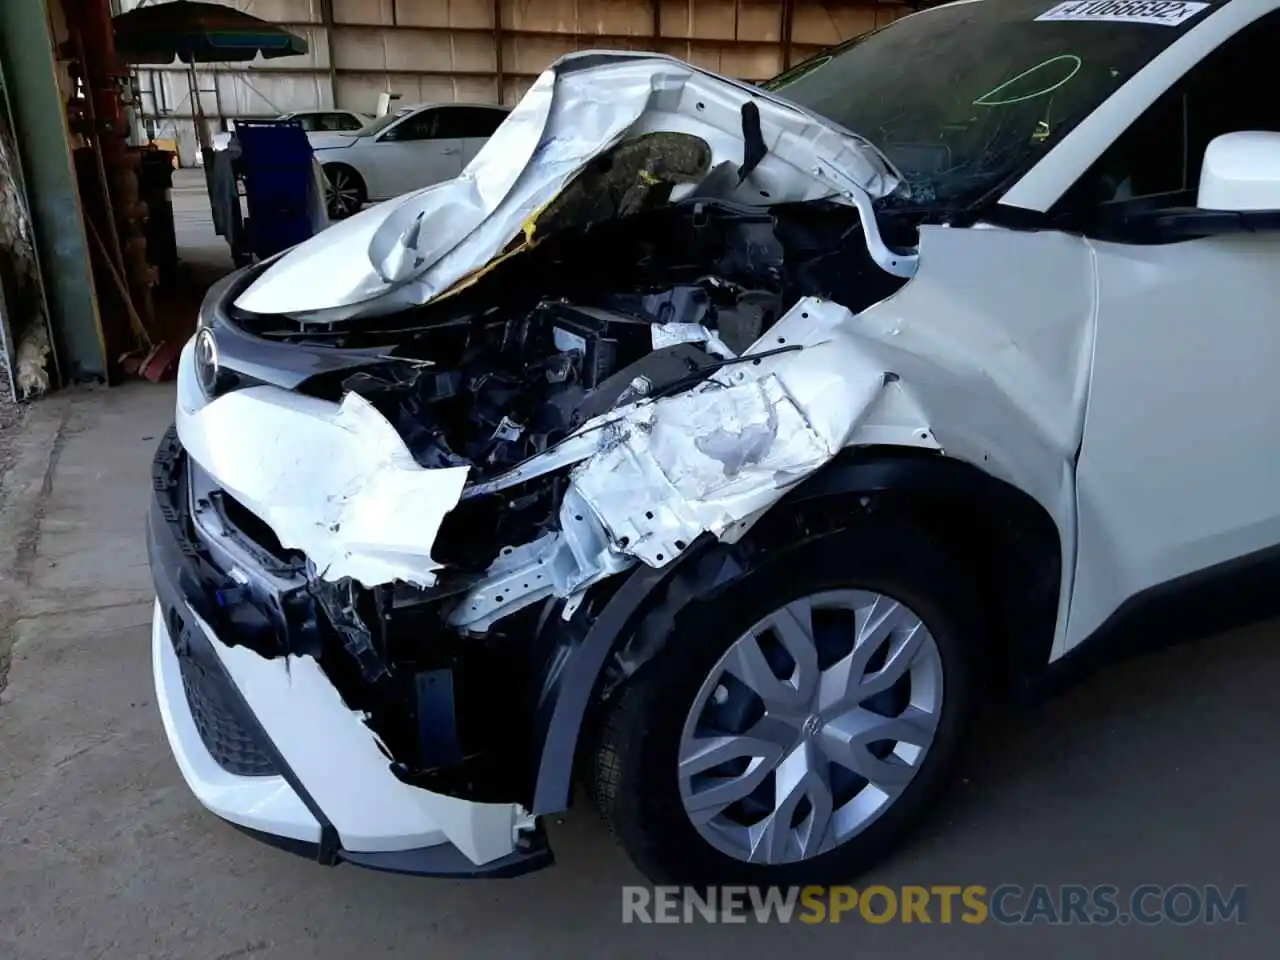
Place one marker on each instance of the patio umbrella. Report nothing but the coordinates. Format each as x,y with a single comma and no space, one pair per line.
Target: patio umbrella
196,32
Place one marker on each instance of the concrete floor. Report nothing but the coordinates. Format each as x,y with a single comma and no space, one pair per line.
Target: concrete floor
1161,771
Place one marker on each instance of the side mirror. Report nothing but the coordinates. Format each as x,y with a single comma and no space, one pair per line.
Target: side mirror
1239,193
1241,173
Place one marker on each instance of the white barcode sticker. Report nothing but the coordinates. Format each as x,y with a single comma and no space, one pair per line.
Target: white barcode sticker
1165,13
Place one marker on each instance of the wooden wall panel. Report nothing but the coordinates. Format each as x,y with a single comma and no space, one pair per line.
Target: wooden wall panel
628,17
444,13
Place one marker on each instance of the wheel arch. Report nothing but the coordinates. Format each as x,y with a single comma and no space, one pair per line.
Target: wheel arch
1006,538
362,181
338,161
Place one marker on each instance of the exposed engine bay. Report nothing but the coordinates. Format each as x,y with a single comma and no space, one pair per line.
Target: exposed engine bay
501,382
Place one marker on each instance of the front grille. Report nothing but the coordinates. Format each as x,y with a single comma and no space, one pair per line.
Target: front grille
249,525
234,748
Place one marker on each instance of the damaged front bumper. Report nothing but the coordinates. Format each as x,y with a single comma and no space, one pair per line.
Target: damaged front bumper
372,656
268,744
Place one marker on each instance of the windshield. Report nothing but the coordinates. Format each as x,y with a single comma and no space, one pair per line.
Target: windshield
966,98
377,126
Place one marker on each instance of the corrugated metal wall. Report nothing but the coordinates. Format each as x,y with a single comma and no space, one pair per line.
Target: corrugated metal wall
488,50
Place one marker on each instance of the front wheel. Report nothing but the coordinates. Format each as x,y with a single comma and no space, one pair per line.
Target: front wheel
346,193
795,727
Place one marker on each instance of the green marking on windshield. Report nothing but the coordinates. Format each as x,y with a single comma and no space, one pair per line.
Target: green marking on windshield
991,97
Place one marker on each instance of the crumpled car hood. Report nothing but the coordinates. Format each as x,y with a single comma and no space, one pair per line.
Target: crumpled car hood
410,250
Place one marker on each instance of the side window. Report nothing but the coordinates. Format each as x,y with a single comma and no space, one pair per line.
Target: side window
332,122
469,122
307,121
342,121
420,126
1156,162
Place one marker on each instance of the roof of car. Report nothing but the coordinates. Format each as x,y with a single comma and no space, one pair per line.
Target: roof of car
405,107
294,113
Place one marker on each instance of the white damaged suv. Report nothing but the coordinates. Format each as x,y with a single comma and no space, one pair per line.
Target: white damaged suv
721,447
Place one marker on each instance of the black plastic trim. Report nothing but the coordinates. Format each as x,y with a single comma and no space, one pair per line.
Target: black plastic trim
1030,619
443,862
250,360
446,860
1143,225
1232,594
572,675
1226,596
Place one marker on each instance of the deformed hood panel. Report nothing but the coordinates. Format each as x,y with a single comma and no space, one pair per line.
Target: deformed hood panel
407,251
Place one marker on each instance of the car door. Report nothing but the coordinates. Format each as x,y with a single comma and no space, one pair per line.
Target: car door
471,126
410,155
1178,479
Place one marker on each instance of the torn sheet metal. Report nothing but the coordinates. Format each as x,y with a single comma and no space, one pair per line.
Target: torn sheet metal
337,482
653,475
666,334
560,564
406,252
699,463
334,481
705,460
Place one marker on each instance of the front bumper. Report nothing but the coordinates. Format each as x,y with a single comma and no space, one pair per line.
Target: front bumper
268,744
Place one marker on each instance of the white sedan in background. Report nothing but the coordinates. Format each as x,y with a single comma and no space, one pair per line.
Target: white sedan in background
412,147
312,121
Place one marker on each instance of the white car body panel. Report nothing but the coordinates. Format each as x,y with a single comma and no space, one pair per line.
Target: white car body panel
331,139
469,147
332,752
992,368
427,241
268,804
1176,473
998,359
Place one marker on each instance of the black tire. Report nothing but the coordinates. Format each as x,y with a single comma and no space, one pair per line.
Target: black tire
345,193
634,782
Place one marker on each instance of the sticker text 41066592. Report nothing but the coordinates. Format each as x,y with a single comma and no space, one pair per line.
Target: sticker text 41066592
1165,13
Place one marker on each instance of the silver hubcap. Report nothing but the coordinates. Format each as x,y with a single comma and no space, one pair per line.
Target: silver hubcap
344,195
810,726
